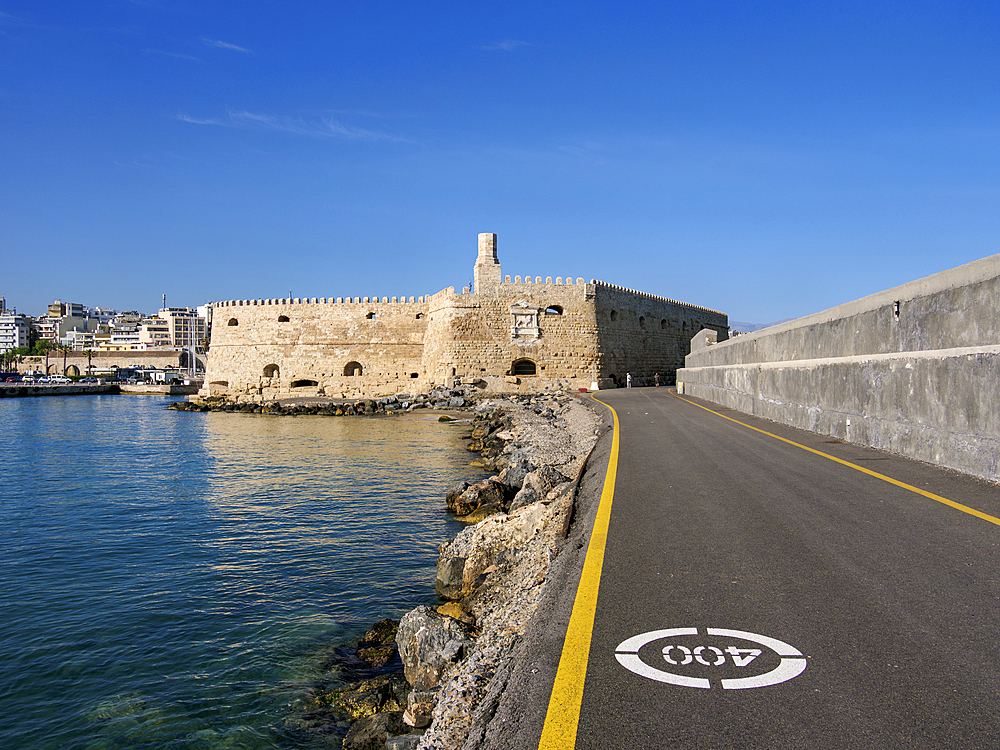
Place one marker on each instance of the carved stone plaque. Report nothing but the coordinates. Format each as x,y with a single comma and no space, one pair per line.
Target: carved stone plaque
525,321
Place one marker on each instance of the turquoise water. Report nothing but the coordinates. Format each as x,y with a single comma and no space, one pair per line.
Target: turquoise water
178,579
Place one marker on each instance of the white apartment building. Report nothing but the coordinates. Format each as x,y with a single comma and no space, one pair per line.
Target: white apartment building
154,333
186,327
15,331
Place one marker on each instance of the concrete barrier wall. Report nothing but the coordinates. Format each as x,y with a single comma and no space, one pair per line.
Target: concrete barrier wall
914,370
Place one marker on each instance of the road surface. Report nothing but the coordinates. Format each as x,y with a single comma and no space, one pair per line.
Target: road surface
756,593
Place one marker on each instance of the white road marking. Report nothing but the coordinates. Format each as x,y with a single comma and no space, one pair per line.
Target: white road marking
792,662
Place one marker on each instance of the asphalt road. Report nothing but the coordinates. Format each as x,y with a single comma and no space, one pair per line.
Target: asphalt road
757,595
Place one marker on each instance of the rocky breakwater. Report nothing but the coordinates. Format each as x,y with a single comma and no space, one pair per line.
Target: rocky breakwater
492,574
438,398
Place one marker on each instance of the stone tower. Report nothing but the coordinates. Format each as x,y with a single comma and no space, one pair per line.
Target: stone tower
486,274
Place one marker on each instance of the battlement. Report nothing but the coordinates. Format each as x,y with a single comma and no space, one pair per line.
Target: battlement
647,295
548,280
321,301
499,332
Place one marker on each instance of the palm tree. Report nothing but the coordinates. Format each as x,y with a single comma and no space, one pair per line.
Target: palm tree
65,350
90,354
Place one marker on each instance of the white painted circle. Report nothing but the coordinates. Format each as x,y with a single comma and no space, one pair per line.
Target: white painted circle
792,662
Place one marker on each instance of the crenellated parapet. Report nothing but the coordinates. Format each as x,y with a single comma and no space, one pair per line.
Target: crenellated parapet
537,281
647,295
318,301
502,333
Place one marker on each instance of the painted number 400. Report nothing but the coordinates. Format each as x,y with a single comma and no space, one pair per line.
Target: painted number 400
710,656
792,661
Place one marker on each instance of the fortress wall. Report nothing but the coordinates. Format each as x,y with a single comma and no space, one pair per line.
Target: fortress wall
524,333
314,346
471,336
913,370
643,334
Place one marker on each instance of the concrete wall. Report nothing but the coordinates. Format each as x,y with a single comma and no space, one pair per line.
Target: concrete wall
912,370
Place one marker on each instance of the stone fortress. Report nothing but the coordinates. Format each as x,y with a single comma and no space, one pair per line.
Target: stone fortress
501,335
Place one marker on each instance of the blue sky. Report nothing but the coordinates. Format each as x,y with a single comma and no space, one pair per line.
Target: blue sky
768,159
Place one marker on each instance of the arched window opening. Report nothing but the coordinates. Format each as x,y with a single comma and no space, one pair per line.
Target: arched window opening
304,383
684,326
352,368
663,324
370,316
523,367
420,316
272,371
234,322
282,318
614,315
554,310
642,321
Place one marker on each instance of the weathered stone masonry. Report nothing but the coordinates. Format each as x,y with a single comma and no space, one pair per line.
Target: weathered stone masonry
508,335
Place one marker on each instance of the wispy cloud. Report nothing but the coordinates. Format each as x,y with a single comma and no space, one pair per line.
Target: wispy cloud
178,55
325,127
202,121
505,45
11,24
226,45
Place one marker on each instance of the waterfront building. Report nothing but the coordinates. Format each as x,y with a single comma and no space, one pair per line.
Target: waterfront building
154,333
186,326
15,331
59,309
500,334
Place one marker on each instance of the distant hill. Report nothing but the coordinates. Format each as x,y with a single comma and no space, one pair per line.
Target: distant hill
739,325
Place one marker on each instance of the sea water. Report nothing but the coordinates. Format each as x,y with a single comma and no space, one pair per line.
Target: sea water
178,579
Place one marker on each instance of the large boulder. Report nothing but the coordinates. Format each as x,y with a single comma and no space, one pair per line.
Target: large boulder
518,467
464,562
419,708
450,577
378,645
430,645
370,697
456,492
537,484
371,732
486,494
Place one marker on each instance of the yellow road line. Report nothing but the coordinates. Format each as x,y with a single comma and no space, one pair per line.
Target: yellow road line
862,469
563,715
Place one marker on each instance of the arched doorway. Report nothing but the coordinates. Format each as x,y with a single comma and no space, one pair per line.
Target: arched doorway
523,367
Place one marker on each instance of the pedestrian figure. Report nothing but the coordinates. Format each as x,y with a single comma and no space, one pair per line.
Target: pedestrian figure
656,379
628,380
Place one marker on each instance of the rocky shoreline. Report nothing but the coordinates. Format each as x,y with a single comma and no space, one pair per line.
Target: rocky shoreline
491,575
422,683
438,398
